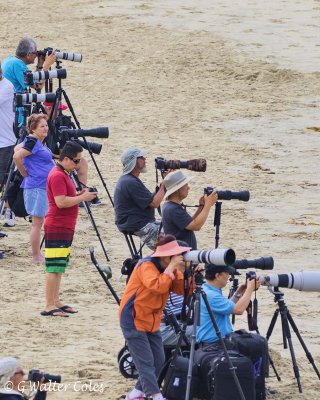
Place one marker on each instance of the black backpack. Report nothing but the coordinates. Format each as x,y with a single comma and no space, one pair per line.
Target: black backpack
255,347
15,196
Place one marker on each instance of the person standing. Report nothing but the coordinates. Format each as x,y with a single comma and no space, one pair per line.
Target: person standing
141,308
7,136
14,67
60,225
34,162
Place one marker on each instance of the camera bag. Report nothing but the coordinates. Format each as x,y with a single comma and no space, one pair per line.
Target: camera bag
15,196
202,358
221,379
177,385
255,347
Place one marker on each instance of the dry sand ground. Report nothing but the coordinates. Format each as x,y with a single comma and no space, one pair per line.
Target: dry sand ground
182,95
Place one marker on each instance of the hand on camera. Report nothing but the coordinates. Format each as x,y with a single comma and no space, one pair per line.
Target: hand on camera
253,284
211,199
176,263
86,195
49,60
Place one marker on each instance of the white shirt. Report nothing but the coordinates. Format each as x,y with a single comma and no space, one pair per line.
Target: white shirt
7,137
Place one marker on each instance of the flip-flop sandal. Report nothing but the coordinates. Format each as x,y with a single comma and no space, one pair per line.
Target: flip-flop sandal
65,309
53,313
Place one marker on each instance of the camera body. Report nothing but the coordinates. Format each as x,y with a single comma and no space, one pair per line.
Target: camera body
44,52
35,375
251,275
208,190
93,190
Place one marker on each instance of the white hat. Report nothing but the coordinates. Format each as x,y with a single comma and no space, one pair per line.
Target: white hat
174,181
129,158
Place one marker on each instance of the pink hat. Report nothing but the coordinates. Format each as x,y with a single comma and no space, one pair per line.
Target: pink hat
169,249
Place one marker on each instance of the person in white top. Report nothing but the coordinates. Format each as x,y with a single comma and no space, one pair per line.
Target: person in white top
7,136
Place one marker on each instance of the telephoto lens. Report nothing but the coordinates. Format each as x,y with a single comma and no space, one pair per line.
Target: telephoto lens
265,263
305,281
26,98
76,57
242,195
215,256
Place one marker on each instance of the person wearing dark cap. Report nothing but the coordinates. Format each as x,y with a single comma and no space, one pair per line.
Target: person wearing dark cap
134,204
175,219
217,278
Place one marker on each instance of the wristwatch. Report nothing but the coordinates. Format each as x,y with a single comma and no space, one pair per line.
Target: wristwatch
237,296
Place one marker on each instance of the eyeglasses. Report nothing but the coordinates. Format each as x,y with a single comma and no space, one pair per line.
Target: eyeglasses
75,160
142,157
21,372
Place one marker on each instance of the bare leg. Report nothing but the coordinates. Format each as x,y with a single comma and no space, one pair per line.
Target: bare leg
35,238
82,171
53,280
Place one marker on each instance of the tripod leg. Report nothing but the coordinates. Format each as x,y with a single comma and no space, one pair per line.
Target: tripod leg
193,344
272,324
165,375
287,333
307,352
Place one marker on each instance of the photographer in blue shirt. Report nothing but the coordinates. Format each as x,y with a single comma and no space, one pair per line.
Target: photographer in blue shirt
14,67
217,278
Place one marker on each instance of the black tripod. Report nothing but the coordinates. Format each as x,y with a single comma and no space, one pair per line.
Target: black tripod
199,294
79,187
60,92
287,319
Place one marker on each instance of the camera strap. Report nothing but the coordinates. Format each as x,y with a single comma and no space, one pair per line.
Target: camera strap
187,206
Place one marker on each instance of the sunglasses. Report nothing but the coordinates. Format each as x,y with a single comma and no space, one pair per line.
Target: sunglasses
75,160
21,372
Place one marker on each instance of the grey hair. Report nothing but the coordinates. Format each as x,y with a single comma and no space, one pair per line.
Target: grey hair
8,367
25,46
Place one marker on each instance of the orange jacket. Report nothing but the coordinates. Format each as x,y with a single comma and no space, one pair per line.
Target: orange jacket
146,295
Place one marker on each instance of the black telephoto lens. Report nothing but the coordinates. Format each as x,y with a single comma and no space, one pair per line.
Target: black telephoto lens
264,263
242,195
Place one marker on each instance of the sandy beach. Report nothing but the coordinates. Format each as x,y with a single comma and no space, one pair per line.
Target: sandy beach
236,85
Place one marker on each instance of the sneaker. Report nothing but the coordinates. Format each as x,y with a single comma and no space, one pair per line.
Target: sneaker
96,201
9,218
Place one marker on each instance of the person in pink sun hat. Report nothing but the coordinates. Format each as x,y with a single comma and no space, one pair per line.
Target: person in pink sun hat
141,308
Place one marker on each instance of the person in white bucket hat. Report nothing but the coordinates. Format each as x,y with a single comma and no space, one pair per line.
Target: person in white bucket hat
175,219
134,204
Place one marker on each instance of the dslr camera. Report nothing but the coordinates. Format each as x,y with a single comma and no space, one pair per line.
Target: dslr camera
61,55
35,375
